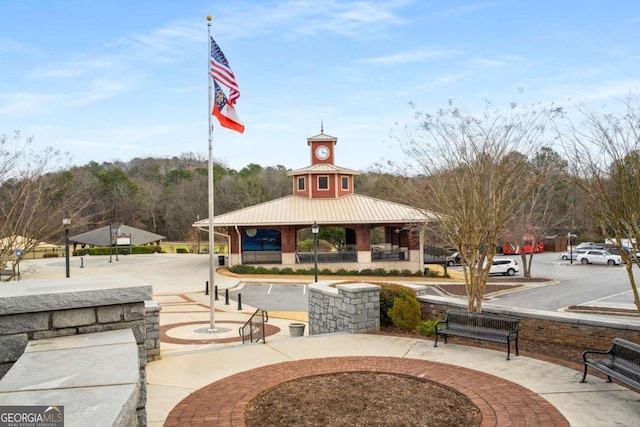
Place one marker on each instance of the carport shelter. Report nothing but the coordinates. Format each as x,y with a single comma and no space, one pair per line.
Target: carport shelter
109,235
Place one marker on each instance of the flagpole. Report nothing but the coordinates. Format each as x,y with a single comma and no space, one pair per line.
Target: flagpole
212,301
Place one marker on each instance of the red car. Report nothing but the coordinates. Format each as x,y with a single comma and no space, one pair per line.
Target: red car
511,249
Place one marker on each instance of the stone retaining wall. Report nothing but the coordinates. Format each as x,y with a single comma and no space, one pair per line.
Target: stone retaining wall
36,310
352,308
78,373
575,329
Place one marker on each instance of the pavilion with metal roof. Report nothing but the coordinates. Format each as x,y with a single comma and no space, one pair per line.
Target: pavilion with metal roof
268,233
109,235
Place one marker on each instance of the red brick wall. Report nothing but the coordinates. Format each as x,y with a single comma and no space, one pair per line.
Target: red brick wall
594,334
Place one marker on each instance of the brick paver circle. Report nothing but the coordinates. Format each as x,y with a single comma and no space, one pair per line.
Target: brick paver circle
501,402
165,330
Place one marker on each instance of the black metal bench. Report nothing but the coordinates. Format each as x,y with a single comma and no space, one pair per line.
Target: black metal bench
622,362
9,274
481,326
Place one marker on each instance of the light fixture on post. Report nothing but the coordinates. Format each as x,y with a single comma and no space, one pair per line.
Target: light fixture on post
117,226
315,229
66,222
110,241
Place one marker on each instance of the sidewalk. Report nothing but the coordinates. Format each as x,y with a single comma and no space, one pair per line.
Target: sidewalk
201,374
205,380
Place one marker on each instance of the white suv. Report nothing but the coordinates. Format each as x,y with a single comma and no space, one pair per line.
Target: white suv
504,266
599,256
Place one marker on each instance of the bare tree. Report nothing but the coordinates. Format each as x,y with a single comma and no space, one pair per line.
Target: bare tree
546,210
605,164
34,198
472,176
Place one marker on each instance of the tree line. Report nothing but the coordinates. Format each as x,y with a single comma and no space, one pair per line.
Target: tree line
484,177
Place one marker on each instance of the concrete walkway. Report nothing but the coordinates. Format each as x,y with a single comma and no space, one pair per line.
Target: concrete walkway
196,363
209,381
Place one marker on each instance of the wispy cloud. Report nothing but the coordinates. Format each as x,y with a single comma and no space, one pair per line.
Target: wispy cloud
11,46
500,62
421,55
162,43
361,19
462,10
98,89
74,69
26,102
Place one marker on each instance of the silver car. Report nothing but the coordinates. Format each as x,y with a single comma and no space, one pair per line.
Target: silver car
599,256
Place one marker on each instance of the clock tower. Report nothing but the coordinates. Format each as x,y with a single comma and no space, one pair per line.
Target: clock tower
322,179
322,149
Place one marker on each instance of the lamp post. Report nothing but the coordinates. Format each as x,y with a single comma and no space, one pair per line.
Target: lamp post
573,225
110,241
315,229
66,222
117,225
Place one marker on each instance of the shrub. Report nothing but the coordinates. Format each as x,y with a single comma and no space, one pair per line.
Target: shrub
287,270
261,270
50,255
182,251
405,313
388,293
427,328
274,270
243,269
379,272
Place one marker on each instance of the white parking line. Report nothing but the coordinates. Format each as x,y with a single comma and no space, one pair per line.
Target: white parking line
270,287
304,289
606,298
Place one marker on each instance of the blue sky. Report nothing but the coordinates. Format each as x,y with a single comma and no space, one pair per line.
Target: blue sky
112,80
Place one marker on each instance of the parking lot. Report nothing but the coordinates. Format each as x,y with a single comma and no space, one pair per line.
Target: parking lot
567,284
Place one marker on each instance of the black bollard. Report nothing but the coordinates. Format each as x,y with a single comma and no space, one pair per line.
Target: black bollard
216,289
226,297
206,288
239,301
81,262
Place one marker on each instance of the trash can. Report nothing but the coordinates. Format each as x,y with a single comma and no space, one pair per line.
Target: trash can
221,260
125,252
296,329
426,271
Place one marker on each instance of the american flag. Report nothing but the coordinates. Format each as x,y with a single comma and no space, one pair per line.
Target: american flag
222,73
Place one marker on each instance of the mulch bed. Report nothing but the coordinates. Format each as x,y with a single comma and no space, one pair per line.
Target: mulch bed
361,399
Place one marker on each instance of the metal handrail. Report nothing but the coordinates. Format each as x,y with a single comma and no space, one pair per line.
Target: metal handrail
257,325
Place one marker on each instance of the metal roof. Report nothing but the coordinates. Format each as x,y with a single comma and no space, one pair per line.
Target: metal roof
100,236
323,168
295,210
322,137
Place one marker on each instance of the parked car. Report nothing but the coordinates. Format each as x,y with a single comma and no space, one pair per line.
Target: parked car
566,256
599,256
454,259
515,249
590,245
504,266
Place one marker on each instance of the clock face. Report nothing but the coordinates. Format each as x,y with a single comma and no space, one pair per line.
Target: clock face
322,152
251,232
